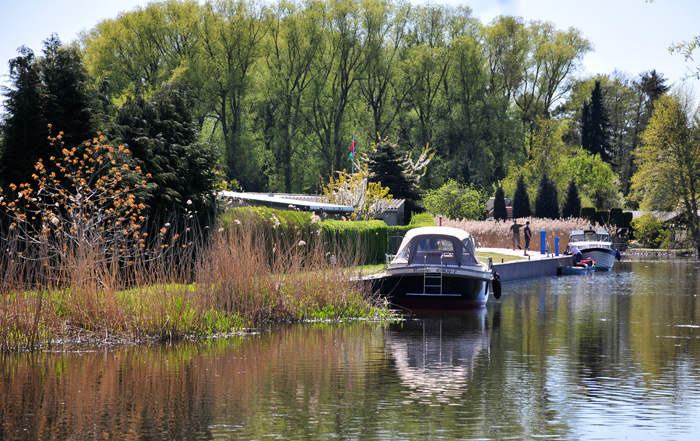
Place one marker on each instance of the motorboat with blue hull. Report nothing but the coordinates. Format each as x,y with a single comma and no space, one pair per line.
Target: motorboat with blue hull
436,268
596,245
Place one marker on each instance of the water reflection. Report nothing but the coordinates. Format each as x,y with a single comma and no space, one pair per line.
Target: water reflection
436,354
609,356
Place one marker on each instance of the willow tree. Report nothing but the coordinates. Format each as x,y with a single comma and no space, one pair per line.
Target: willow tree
554,57
332,89
230,35
295,45
427,67
669,161
385,28
143,48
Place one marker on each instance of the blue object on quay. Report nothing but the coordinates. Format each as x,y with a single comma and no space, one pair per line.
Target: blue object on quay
543,237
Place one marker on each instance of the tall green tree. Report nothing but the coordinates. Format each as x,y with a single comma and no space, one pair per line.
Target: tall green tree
669,161
295,46
595,125
332,89
385,26
499,205
24,129
572,203
53,89
521,201
547,200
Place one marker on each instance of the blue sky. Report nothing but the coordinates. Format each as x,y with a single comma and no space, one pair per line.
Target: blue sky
628,35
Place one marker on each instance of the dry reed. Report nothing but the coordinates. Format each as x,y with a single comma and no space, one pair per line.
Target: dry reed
236,278
497,234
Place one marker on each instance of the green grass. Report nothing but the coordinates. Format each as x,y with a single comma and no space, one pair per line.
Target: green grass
496,257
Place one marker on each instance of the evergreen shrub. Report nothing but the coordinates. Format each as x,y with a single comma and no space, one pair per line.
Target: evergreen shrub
602,217
588,213
363,242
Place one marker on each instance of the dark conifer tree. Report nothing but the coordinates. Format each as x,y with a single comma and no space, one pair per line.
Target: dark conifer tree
521,201
572,204
547,200
24,129
595,125
71,104
385,164
50,90
499,205
163,141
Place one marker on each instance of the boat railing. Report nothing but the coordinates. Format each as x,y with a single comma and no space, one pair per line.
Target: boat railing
388,258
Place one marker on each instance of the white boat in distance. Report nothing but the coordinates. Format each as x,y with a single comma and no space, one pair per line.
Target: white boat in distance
594,244
436,267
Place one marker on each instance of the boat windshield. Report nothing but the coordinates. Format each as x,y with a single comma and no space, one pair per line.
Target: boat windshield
590,236
435,250
468,257
403,254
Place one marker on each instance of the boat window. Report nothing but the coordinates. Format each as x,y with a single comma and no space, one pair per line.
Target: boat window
403,254
433,244
435,251
468,257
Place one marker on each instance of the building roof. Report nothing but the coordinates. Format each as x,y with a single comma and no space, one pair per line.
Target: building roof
307,202
301,202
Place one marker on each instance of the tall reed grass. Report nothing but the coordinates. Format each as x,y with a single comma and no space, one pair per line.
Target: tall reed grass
234,277
497,234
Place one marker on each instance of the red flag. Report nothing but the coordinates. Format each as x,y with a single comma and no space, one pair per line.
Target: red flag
353,148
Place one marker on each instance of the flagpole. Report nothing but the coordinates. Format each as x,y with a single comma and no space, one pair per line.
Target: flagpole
354,146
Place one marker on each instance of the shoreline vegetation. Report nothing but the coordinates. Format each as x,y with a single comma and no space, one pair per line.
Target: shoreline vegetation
238,278
257,267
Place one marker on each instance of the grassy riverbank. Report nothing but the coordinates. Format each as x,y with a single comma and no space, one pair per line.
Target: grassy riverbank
239,279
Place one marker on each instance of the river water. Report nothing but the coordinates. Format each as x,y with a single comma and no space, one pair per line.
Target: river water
591,357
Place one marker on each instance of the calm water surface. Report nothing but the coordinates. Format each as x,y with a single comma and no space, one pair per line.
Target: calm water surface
600,356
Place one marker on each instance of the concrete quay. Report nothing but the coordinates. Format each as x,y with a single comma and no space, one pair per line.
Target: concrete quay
534,264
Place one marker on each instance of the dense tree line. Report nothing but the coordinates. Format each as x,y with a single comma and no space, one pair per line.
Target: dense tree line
281,89
51,97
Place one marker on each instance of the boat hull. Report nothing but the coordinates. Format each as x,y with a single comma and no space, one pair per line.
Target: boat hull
411,290
604,258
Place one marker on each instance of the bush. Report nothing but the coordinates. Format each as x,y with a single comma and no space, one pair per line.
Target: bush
422,220
650,232
617,217
362,242
455,201
589,213
283,227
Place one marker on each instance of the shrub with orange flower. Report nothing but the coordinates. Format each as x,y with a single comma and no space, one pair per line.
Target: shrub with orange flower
80,213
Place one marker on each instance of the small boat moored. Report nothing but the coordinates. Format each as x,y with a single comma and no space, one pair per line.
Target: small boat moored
596,245
436,267
576,269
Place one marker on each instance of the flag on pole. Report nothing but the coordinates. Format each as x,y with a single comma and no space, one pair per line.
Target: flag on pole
353,148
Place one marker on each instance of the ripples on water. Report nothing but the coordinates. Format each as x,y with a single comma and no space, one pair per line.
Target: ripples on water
601,356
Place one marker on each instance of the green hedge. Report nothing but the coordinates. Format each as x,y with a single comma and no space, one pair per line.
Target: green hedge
602,217
422,220
276,229
588,213
616,217
361,242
